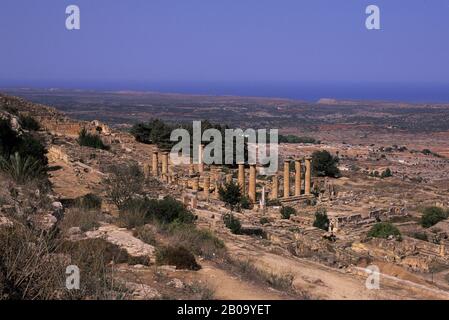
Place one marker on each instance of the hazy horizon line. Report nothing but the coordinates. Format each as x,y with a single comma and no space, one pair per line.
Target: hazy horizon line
311,91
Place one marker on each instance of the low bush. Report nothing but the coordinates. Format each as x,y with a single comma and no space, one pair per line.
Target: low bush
232,223
22,169
200,241
264,220
231,194
178,256
274,203
137,212
384,230
89,201
124,183
432,215
420,236
87,139
245,203
133,214
146,234
286,212
386,173
321,219
28,269
169,210
86,220
29,123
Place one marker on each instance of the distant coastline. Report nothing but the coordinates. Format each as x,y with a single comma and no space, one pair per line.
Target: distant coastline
310,92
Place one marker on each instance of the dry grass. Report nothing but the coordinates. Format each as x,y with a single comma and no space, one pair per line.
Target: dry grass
86,220
200,241
279,281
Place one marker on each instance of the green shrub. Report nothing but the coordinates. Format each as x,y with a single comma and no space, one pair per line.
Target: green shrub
29,123
137,212
384,230
133,214
231,194
89,201
200,241
295,139
432,215
177,256
169,210
386,173
232,223
264,220
321,219
25,145
286,212
245,203
87,139
420,236
22,170
274,203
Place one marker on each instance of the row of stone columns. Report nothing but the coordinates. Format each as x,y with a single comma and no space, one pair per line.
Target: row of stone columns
252,180
298,179
241,177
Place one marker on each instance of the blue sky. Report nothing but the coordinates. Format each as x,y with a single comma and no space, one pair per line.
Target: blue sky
224,40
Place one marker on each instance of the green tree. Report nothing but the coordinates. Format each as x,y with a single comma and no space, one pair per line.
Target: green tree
384,230
321,219
324,164
432,215
231,194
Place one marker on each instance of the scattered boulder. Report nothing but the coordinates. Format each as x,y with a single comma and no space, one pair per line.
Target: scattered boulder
125,240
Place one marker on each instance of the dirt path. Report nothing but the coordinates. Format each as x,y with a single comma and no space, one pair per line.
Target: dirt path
230,287
322,282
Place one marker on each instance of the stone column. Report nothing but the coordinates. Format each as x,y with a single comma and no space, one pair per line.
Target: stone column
252,183
194,201
275,188
242,177
155,164
262,199
200,159
297,177
196,183
286,178
216,188
146,170
191,169
206,186
164,163
165,166
308,175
